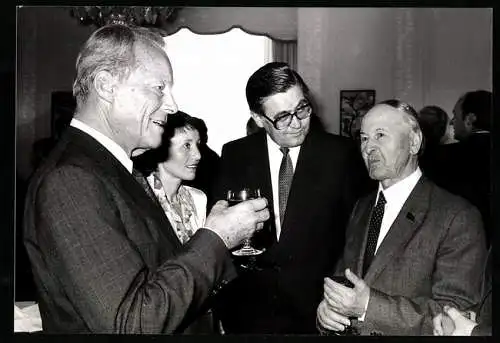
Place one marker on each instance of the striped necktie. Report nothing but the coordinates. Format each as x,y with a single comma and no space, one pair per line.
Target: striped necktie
284,181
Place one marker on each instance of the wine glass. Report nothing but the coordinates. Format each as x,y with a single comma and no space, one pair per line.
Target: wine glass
235,197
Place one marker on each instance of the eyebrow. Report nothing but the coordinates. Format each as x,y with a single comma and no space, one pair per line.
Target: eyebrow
279,114
376,130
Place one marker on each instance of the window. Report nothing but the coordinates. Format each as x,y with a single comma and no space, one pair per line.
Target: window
210,76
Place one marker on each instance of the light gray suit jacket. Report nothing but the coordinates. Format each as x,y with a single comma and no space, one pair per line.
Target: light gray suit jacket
432,256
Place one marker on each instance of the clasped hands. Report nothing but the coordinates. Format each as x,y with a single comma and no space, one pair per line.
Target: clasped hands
340,302
453,322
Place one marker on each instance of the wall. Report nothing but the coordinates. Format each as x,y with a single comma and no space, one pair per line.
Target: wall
423,56
48,44
462,48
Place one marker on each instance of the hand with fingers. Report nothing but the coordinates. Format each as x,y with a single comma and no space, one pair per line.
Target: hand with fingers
453,322
328,319
350,302
342,300
236,223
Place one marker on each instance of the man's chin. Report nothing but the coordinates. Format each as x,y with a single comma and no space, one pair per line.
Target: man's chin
154,142
293,142
138,151
376,175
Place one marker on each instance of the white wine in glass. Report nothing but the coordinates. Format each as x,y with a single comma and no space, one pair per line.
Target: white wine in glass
235,197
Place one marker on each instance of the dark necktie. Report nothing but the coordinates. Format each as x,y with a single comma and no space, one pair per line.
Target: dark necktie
143,182
374,231
284,181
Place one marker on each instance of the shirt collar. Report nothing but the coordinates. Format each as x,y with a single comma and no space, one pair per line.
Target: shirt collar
107,142
401,189
274,147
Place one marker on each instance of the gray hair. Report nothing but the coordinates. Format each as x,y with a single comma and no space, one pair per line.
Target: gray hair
109,48
410,117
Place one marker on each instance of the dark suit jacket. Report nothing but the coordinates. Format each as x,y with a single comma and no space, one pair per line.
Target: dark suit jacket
104,256
433,255
464,169
206,173
283,295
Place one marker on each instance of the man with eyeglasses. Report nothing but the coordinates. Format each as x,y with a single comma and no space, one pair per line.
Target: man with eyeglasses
310,179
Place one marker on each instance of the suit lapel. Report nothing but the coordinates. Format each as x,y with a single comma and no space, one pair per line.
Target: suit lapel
260,175
403,228
308,165
123,180
362,231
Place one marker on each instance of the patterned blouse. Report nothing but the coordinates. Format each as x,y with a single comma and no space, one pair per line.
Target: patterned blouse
181,212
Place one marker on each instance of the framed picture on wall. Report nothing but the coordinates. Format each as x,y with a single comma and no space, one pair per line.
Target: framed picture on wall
353,106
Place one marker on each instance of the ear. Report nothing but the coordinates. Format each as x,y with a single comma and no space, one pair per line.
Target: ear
470,119
104,84
258,119
415,142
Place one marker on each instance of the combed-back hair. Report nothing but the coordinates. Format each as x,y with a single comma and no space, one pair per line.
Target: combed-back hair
411,117
270,79
109,48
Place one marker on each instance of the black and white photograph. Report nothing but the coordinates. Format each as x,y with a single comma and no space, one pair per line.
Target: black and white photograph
320,171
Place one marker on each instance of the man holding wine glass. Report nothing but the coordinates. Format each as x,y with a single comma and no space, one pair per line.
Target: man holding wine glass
104,255
309,178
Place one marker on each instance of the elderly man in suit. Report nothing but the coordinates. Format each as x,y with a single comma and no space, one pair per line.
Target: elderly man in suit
411,248
104,255
310,180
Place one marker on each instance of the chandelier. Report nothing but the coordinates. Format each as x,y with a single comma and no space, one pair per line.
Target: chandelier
150,16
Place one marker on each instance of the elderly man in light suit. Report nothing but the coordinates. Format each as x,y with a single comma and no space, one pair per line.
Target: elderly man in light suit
411,248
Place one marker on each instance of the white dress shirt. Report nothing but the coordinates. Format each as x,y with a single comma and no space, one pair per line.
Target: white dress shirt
106,142
275,157
395,196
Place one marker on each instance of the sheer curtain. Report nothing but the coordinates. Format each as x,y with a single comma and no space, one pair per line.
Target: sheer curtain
285,51
213,87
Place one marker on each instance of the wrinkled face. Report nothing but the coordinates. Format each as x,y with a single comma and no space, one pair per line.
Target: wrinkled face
460,124
184,154
273,107
388,145
142,101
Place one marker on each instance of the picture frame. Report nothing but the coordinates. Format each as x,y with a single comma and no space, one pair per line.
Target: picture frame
354,103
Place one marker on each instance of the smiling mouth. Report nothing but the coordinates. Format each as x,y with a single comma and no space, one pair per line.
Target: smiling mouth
159,122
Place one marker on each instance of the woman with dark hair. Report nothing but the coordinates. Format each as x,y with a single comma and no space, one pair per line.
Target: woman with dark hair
167,166
166,169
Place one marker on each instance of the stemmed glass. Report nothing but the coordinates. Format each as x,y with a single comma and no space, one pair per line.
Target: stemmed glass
235,197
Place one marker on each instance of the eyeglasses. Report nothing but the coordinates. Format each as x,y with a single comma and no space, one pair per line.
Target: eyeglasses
283,119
